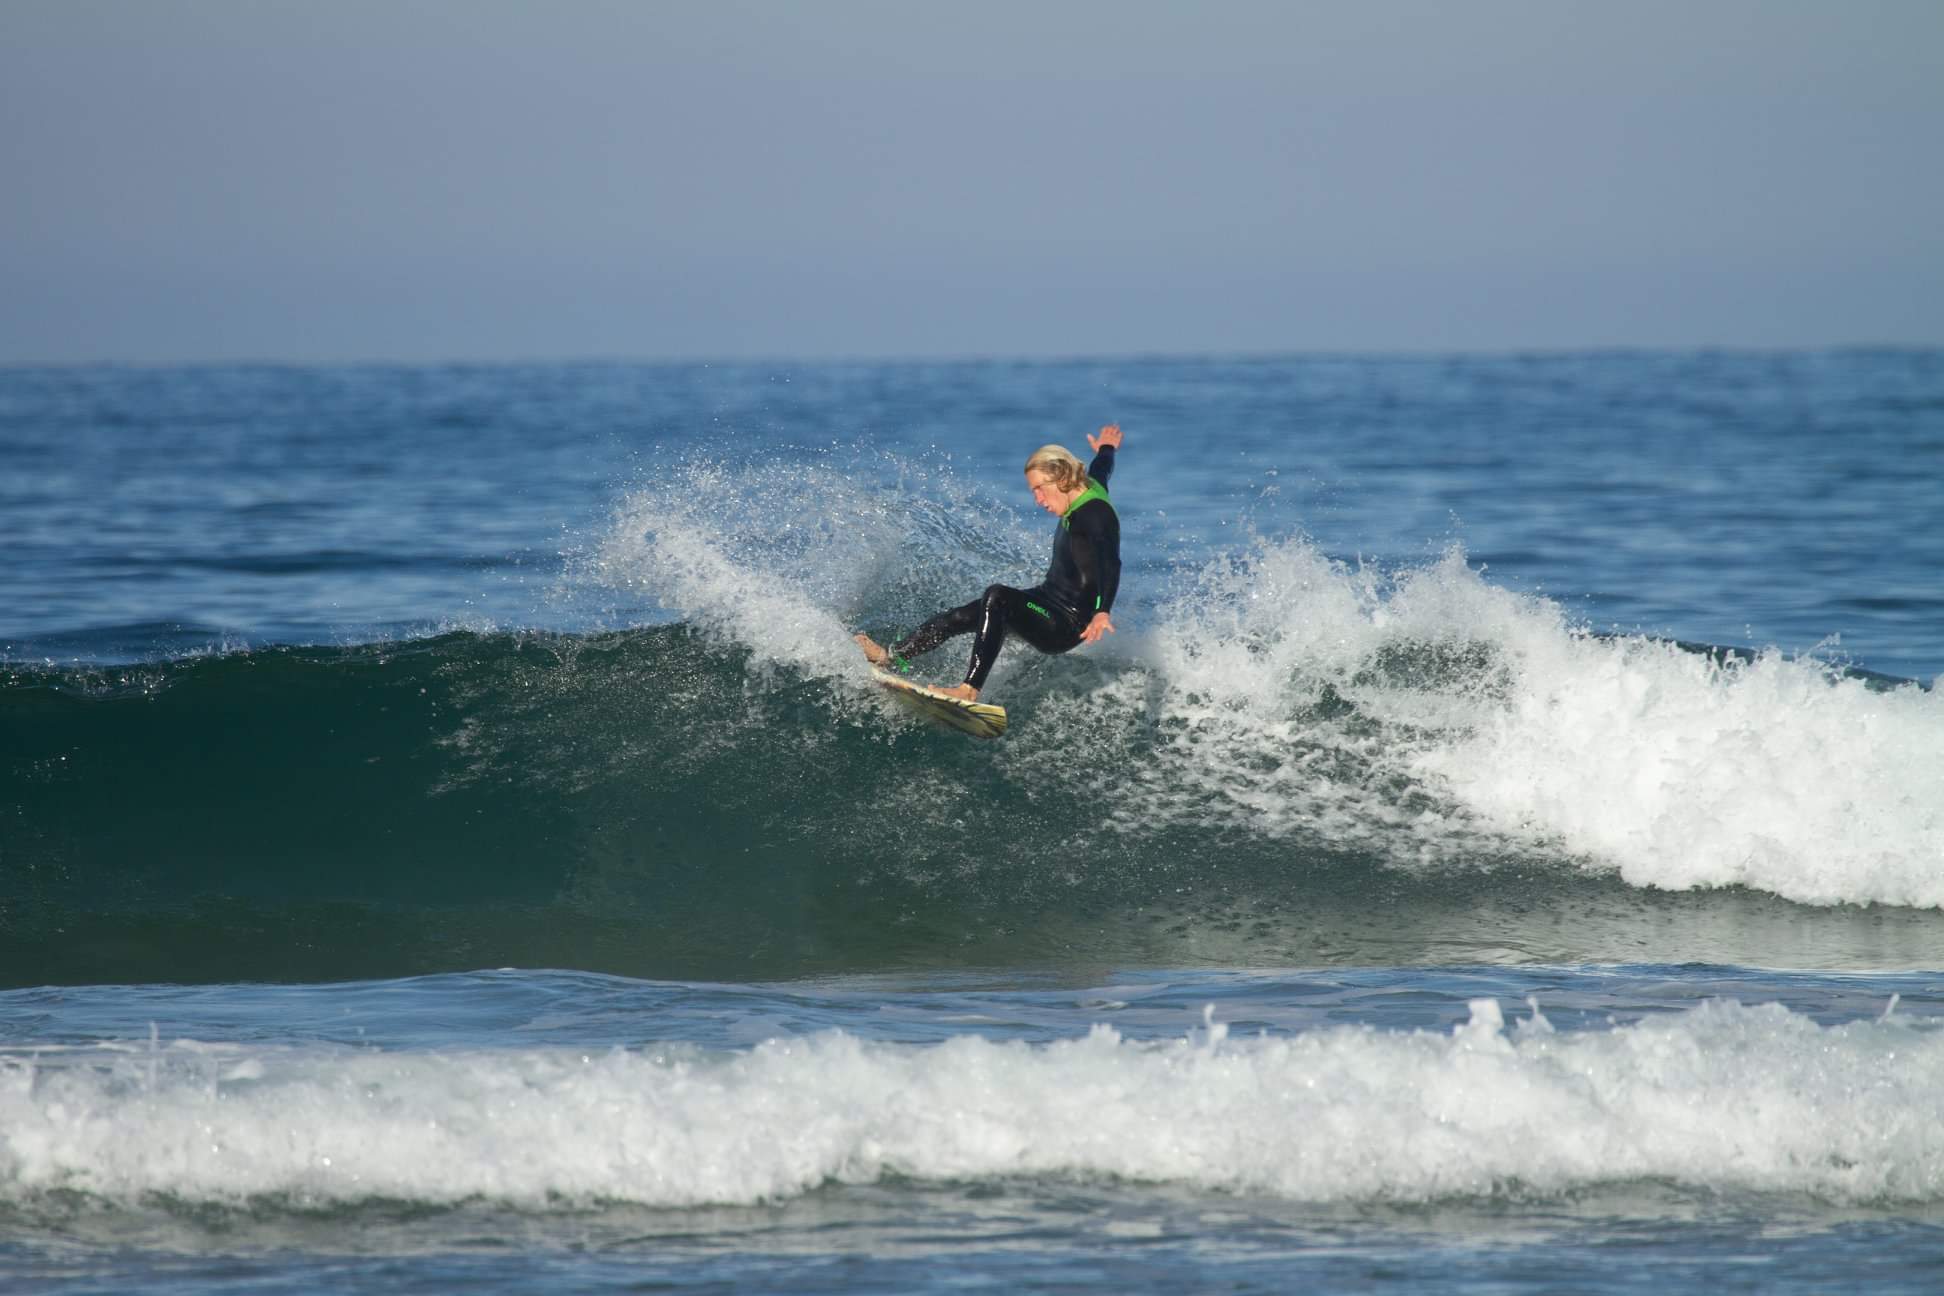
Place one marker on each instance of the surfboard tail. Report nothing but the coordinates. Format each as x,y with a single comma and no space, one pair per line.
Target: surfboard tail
980,719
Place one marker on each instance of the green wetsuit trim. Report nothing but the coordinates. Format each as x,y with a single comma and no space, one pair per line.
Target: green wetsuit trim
1094,491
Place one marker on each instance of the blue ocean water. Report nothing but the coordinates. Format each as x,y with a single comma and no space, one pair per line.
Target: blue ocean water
448,836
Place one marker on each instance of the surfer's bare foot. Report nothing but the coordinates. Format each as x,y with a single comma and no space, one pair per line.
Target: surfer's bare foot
963,692
872,653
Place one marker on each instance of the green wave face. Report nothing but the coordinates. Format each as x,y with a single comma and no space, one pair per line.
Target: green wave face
636,802
654,803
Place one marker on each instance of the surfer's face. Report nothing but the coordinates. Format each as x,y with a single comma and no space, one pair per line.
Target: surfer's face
1046,494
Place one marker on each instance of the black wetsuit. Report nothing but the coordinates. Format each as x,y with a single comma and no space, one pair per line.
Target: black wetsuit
1082,580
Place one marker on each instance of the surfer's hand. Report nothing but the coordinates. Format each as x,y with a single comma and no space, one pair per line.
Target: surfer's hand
1100,625
1109,436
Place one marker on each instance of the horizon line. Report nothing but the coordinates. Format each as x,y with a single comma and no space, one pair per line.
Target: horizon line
959,358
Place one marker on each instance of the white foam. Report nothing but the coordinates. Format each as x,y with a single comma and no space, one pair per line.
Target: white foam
1676,769
1720,1097
1685,773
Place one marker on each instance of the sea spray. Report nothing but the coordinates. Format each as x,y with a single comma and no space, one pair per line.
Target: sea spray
786,559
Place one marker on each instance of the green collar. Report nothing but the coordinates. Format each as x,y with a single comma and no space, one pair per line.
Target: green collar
1094,491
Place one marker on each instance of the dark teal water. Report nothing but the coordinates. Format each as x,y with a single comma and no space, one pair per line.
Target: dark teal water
1505,835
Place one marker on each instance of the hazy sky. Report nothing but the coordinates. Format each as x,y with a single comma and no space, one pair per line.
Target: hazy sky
482,179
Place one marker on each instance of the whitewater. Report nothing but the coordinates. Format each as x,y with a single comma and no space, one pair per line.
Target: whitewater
1719,1098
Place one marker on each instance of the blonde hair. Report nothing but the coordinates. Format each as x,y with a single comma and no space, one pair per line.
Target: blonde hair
1061,466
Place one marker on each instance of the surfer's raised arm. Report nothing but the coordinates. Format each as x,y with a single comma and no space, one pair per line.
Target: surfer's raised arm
1096,539
1103,447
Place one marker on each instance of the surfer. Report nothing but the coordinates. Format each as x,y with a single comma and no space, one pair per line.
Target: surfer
1071,606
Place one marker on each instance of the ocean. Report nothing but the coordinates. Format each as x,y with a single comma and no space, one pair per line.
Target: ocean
449,839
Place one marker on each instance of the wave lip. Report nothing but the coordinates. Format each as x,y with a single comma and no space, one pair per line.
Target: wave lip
1718,1098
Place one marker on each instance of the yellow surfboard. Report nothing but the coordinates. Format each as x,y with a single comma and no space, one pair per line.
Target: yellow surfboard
980,719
